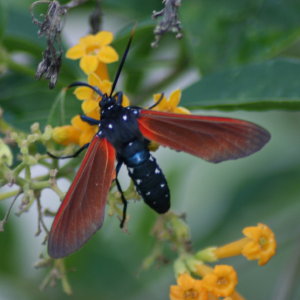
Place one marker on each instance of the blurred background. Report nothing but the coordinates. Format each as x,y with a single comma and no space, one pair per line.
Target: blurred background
237,59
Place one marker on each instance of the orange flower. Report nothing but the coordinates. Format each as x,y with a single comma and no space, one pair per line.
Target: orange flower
79,132
85,131
171,104
90,106
188,288
168,105
220,281
102,71
259,244
66,135
86,93
92,50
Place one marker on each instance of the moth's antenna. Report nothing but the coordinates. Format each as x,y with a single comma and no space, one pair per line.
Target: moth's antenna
122,62
94,88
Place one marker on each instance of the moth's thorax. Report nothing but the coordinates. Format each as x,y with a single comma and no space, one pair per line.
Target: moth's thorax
119,125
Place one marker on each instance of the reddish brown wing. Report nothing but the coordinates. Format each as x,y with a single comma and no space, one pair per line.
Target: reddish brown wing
212,138
82,211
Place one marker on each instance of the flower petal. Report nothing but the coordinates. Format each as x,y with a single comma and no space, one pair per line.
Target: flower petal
261,245
175,98
83,93
107,55
181,110
65,135
188,288
125,101
102,71
104,38
79,124
89,63
87,136
87,40
95,114
89,105
163,104
94,79
75,52
221,281
105,86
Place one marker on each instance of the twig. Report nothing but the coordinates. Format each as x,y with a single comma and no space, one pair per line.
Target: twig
41,222
170,21
51,27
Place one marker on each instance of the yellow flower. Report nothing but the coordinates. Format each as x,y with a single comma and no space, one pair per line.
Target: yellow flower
171,104
66,135
167,105
91,109
86,93
92,50
188,288
259,244
220,281
102,71
90,106
85,131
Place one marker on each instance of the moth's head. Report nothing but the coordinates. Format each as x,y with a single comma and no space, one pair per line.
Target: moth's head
106,101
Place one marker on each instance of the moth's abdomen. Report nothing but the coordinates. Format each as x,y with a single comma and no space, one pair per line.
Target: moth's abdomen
149,180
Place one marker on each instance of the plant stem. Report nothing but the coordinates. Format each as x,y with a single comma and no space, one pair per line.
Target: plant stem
7,195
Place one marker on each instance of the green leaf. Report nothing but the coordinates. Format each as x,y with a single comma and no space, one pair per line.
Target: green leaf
231,32
3,17
16,16
133,73
134,8
18,43
31,101
261,86
8,242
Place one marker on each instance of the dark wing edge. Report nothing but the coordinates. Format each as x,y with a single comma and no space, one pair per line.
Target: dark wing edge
214,139
82,211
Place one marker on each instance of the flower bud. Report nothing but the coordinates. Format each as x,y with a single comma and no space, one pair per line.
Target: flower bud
5,154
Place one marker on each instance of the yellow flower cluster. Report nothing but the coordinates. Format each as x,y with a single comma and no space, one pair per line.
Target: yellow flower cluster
216,282
95,52
259,243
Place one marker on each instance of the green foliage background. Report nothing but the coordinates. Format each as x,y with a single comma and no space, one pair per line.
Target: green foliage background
248,55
